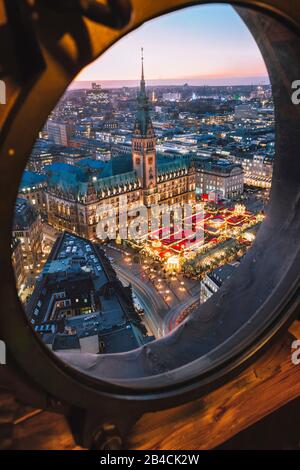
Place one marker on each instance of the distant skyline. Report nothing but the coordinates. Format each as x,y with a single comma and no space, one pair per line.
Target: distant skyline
200,45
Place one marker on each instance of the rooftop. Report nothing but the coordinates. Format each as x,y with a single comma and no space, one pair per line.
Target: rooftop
79,178
78,291
220,166
25,215
31,179
219,275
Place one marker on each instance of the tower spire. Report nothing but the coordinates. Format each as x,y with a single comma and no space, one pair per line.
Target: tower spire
143,119
142,57
144,141
143,84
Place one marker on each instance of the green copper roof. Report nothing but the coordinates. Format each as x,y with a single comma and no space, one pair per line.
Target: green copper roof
173,166
116,181
76,182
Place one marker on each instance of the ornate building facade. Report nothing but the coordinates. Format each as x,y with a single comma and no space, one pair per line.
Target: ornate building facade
27,228
77,194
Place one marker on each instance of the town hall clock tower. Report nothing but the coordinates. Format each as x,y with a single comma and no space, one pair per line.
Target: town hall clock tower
144,146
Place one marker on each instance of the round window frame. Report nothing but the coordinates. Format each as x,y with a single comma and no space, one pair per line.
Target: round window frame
55,376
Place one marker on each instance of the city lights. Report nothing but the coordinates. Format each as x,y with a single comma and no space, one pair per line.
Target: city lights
147,206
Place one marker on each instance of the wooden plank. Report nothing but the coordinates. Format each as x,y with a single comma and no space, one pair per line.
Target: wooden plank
208,422
7,414
203,424
44,431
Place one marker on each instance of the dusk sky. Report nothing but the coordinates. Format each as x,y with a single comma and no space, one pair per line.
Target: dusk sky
201,45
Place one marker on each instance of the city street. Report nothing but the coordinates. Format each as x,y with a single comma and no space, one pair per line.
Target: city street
162,296
171,317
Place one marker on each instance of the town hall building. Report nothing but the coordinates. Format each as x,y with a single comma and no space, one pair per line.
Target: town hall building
77,194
